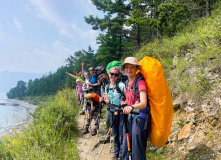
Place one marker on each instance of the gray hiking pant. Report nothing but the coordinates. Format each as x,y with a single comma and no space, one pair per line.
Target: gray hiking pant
108,119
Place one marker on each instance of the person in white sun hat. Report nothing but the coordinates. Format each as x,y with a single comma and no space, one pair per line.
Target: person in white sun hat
136,99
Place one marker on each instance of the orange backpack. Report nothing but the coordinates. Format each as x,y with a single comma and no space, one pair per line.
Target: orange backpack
160,100
96,97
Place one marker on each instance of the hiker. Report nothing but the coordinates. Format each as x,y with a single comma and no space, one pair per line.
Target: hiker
138,135
93,109
94,81
78,91
78,75
103,76
104,79
87,89
113,95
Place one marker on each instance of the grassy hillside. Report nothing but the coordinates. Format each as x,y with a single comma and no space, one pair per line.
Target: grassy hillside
192,65
190,57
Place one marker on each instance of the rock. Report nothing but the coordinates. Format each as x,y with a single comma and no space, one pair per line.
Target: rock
172,137
206,127
190,140
176,106
213,121
189,109
181,148
192,70
212,107
218,101
192,117
190,103
175,61
192,148
185,132
188,57
160,149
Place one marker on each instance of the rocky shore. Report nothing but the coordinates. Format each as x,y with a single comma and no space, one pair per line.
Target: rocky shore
28,115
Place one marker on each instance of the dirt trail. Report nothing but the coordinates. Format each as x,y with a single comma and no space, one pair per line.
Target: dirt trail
87,142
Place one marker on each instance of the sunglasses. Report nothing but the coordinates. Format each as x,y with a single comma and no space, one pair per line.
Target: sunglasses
116,74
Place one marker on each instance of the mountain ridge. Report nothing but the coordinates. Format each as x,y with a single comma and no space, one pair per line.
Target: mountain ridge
9,79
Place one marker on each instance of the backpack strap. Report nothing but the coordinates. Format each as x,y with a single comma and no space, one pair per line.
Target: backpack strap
126,84
135,87
117,89
108,87
147,112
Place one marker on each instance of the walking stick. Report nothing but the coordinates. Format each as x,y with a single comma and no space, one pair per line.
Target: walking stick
127,135
89,128
105,140
97,143
113,108
81,105
98,121
85,115
125,121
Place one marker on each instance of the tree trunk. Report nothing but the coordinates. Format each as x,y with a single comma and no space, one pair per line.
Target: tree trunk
208,9
138,36
120,49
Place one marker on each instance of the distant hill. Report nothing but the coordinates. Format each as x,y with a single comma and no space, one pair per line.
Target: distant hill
9,80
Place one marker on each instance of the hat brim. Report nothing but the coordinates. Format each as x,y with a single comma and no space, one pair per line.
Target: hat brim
123,66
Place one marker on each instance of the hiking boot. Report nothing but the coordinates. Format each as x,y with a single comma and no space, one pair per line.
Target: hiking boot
82,113
114,157
85,131
94,132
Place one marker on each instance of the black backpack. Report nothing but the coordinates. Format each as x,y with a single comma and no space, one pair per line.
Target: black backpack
122,77
99,70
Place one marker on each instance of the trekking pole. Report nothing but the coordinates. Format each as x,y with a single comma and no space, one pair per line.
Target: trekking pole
85,116
106,137
112,108
127,135
98,122
89,127
99,117
125,121
81,105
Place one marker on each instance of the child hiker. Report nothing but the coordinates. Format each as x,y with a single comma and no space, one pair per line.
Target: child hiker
93,111
79,91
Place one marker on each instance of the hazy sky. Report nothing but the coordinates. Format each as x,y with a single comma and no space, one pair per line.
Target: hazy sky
38,35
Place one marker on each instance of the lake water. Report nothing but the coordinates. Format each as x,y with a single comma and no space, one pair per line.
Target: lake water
11,114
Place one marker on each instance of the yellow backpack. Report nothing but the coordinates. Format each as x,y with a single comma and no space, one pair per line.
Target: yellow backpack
160,100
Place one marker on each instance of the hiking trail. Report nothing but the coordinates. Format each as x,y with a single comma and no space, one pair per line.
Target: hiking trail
86,143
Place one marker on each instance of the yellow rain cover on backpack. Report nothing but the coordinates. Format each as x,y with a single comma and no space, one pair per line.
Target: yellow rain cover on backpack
160,100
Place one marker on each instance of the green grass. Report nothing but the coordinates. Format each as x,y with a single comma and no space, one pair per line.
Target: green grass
156,155
181,123
38,100
51,135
